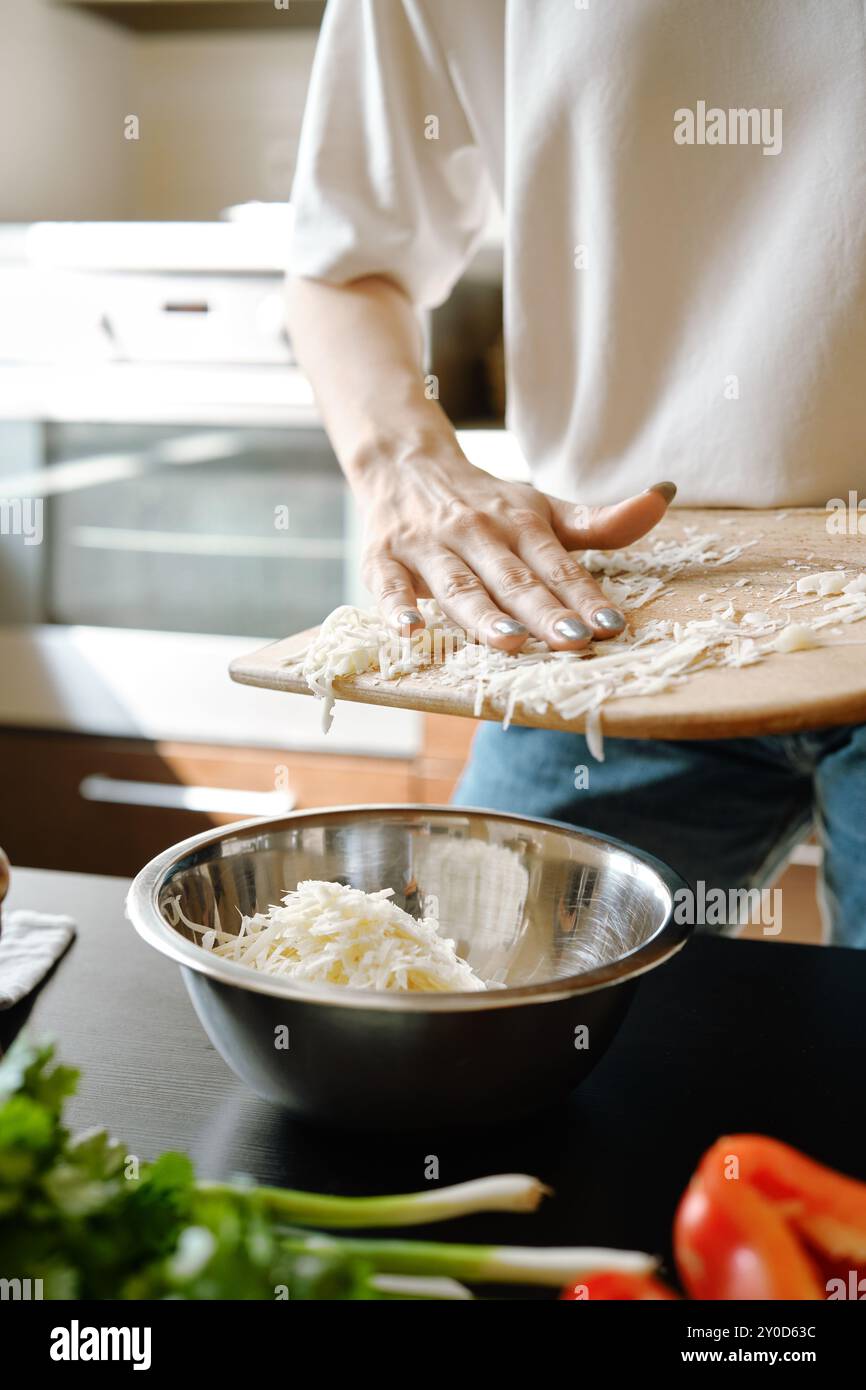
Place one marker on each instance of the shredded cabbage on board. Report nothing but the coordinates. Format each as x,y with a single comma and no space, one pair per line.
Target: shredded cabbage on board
329,934
655,656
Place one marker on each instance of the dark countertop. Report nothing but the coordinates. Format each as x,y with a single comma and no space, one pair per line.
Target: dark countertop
731,1036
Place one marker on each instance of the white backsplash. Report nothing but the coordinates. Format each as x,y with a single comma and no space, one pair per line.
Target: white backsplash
219,117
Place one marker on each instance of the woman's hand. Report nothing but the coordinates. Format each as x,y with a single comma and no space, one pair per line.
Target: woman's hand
498,557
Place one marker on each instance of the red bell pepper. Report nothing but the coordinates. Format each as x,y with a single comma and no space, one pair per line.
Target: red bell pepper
759,1220
607,1286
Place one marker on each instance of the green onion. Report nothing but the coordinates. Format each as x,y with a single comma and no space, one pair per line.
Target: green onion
505,1192
475,1264
411,1286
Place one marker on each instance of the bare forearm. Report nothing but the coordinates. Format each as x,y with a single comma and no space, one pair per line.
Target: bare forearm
498,556
360,347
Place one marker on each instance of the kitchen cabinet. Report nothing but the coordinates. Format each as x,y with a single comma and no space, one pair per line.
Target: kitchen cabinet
104,805
166,16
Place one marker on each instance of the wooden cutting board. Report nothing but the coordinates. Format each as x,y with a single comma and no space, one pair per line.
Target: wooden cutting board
784,693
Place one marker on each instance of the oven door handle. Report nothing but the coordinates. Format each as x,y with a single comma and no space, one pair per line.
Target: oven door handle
168,796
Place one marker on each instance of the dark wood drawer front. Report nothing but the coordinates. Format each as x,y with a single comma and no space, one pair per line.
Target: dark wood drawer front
46,821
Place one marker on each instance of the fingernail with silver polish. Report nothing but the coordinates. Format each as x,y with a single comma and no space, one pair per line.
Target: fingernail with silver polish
609,619
508,627
667,490
407,617
572,629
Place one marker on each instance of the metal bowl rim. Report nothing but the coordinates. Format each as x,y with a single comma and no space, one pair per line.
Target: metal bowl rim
142,910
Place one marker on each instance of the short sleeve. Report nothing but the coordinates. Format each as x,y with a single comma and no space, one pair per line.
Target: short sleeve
389,179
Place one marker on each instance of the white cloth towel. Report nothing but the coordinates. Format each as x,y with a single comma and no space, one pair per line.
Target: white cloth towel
30,943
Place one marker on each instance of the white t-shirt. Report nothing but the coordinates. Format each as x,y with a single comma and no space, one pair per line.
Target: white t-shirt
676,306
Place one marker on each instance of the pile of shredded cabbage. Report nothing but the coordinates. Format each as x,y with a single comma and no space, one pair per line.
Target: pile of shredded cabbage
655,656
330,934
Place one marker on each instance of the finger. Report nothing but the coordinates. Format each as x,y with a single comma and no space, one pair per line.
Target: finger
608,528
517,588
574,586
391,585
464,599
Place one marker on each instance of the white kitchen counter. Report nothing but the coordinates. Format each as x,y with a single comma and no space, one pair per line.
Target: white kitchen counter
175,687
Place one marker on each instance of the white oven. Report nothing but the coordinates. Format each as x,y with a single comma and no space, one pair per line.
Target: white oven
157,434
168,498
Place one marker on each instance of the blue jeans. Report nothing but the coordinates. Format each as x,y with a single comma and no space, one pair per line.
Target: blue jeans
724,813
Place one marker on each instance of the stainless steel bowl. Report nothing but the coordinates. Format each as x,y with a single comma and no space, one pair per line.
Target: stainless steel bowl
563,921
